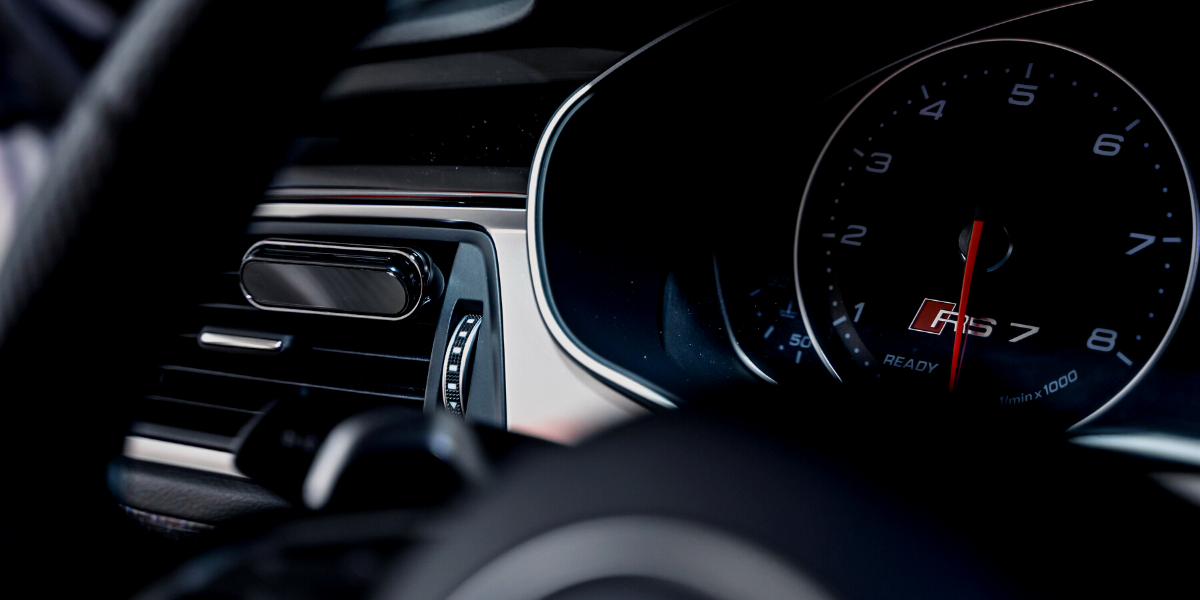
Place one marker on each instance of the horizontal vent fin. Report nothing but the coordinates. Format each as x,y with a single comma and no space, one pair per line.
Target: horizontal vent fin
185,415
214,393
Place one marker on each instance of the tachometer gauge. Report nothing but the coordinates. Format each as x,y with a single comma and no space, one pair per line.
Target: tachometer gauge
1006,221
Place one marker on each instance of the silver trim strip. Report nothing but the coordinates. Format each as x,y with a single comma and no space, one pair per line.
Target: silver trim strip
737,348
488,218
181,455
1157,446
362,194
537,174
1191,278
241,342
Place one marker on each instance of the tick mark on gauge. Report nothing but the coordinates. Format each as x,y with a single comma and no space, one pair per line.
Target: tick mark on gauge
943,84
1028,70
781,346
1095,94
924,92
1168,215
839,321
1155,167
1167,266
1160,290
1006,70
1171,240
1074,83
1151,315
1131,126
1164,190
1052,76
1138,338
1125,359
829,235
857,151
985,71
770,330
835,302
1146,145
964,75
1114,109
755,292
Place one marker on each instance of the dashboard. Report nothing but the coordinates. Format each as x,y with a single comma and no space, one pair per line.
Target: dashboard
544,222
691,221
810,298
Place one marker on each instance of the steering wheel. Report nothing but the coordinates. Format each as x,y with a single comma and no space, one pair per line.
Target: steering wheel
163,156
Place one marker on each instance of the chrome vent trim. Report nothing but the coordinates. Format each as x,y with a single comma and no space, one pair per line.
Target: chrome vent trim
181,455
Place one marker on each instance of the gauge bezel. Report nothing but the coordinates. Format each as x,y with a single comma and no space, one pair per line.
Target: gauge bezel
1195,250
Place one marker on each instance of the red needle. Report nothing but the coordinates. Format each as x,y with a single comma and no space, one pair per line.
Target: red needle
960,329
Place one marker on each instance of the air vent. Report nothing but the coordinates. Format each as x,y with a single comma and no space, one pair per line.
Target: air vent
206,394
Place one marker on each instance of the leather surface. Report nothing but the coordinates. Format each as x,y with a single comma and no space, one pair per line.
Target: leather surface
186,494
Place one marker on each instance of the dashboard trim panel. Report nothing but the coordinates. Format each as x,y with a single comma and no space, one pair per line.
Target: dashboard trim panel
548,395
537,174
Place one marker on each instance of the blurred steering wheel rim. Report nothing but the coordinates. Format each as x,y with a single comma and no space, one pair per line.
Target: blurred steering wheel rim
159,159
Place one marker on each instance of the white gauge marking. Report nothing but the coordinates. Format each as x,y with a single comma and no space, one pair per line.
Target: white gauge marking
1125,359
755,292
1172,240
924,92
1133,124
828,235
1028,70
770,330
1149,239
840,320
849,238
857,151
1032,330
1023,90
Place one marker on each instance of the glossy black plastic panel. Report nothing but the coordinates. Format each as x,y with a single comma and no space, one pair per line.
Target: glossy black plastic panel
379,283
325,288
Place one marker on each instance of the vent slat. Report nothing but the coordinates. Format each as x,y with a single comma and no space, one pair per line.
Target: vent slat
373,354
413,395
213,392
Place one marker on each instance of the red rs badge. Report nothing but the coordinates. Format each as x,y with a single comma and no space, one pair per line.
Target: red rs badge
933,316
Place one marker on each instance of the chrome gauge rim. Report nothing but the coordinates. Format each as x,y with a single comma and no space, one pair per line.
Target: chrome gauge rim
822,353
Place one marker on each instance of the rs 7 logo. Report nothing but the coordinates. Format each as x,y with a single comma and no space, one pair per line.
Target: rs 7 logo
933,316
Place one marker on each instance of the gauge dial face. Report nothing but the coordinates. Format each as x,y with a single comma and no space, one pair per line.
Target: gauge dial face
1024,181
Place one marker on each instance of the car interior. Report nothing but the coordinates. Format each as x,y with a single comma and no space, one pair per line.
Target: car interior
538,299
